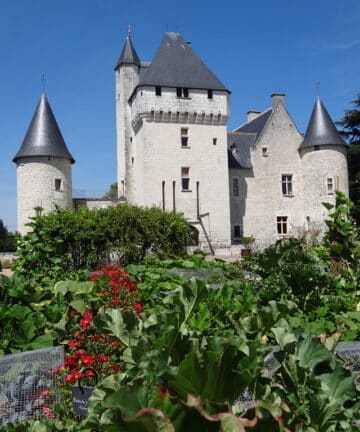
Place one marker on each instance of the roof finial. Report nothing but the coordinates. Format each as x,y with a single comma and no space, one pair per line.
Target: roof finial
129,31
43,82
318,89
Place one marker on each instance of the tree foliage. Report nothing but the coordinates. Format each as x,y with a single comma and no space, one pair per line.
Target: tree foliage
350,125
7,240
112,193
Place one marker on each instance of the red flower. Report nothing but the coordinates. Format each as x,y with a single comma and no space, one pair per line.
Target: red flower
73,376
101,358
138,307
73,344
87,359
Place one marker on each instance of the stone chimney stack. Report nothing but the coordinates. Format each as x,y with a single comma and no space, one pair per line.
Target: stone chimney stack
252,115
276,98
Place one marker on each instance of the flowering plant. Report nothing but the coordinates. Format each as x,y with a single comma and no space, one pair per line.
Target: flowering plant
93,355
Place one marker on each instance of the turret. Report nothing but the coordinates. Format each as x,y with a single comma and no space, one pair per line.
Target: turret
127,71
324,164
43,167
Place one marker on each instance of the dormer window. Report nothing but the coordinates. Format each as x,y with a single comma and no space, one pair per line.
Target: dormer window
158,91
182,92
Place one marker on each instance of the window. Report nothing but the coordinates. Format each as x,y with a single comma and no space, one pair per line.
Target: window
185,178
316,147
282,224
264,152
210,94
214,141
235,185
158,91
182,92
286,184
184,137
237,231
330,185
58,185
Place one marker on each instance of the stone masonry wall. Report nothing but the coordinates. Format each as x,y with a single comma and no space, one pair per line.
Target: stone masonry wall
36,186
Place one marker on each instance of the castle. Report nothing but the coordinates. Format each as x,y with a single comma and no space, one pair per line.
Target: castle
263,180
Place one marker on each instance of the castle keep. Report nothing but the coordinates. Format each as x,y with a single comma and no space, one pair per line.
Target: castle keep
263,180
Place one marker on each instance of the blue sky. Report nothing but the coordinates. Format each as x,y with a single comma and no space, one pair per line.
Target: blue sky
254,47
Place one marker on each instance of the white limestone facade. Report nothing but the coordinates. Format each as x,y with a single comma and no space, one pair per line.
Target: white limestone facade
126,79
44,182
262,198
178,158
324,171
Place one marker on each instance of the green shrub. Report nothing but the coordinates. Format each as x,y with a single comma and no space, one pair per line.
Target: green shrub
65,240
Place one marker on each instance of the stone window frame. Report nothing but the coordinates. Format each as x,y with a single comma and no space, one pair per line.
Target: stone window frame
282,225
182,92
185,179
58,184
330,185
184,137
287,185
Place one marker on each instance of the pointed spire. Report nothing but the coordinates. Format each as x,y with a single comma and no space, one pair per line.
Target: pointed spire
321,129
128,53
43,137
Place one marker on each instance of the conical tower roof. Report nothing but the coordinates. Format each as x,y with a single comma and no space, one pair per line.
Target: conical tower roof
43,137
128,54
177,65
321,129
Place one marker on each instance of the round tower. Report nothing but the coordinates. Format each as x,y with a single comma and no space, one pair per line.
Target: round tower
127,71
43,167
324,165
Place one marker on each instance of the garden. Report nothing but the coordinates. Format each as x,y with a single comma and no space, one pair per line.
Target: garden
168,342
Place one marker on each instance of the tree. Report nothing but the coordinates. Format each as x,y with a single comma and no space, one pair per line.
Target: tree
7,240
350,125
112,193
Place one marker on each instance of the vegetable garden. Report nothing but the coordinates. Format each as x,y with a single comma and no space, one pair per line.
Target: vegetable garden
169,342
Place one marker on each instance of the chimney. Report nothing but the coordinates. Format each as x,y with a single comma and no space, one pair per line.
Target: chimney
276,98
252,115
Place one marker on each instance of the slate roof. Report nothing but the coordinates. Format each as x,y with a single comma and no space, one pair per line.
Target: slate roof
321,129
257,125
43,137
239,146
176,65
128,54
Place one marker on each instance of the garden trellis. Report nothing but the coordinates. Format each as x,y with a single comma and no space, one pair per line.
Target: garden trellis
28,384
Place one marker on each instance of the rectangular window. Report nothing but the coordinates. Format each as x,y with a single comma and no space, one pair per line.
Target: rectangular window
282,224
214,141
58,185
237,231
330,185
185,178
316,147
235,185
182,92
264,152
184,137
158,91
210,94
286,184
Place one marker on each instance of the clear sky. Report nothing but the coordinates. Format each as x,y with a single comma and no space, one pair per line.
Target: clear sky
254,47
